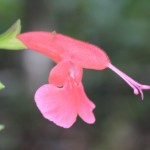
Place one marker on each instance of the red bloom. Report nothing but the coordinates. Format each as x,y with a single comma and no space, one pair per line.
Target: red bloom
64,98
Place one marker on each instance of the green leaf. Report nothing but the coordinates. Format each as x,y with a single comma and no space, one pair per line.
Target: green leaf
2,127
8,39
2,86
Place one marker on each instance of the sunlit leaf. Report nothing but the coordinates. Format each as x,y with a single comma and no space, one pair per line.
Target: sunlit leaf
2,86
8,39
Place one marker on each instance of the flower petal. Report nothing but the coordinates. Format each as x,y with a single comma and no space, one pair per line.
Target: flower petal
57,105
62,105
58,75
85,106
60,47
62,70
41,42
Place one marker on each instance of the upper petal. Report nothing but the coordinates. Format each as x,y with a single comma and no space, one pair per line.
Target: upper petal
60,73
60,47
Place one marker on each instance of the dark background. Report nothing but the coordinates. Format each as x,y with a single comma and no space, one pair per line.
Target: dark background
122,29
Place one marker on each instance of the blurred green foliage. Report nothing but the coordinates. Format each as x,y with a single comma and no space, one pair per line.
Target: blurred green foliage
10,10
1,86
122,29
1,127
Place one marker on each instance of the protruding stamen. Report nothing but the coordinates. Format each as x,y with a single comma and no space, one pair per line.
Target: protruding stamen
137,87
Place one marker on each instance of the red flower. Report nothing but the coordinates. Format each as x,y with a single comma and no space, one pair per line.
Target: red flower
64,98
